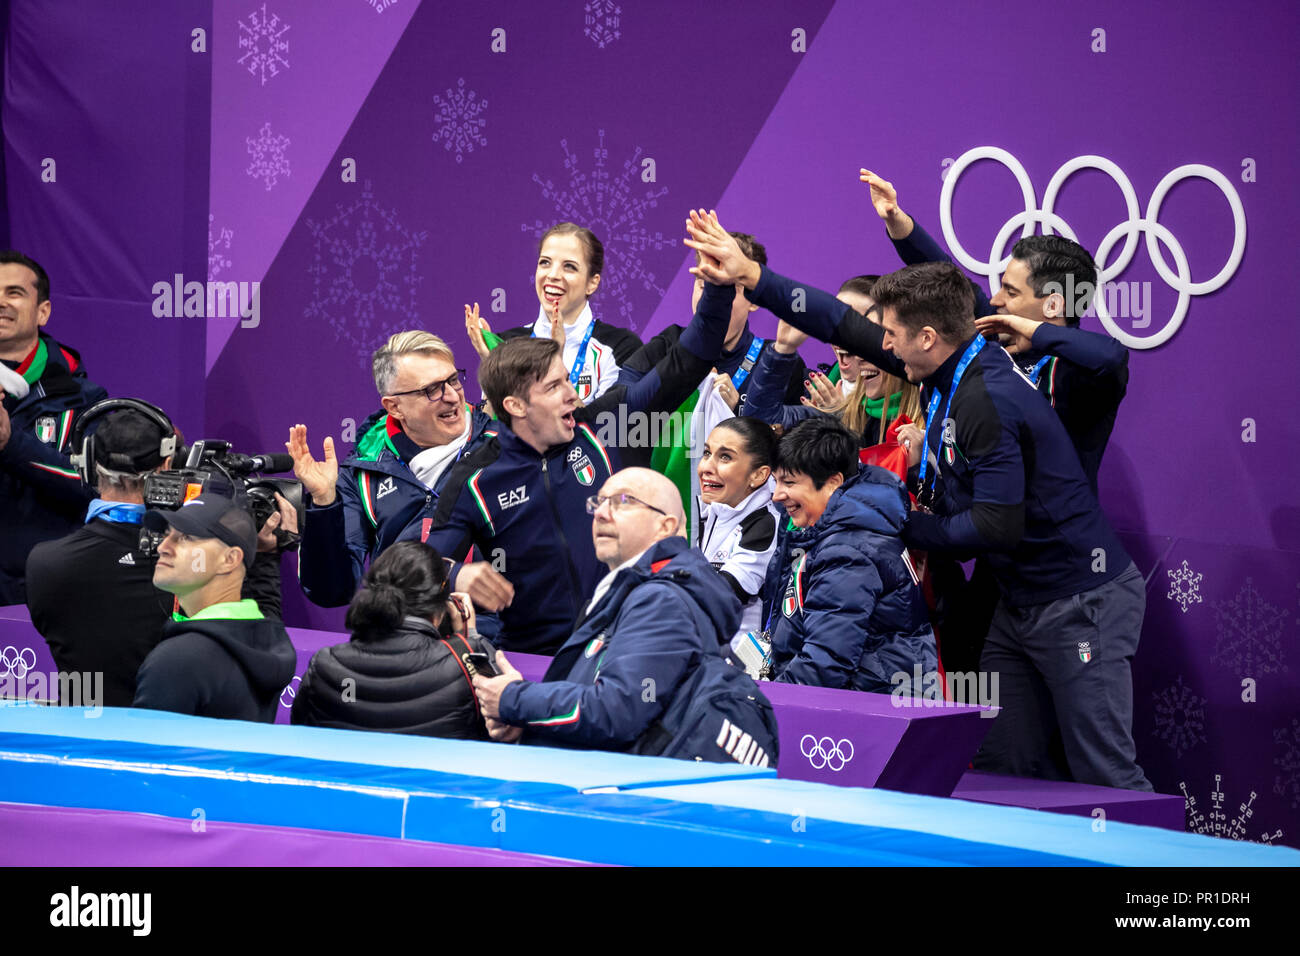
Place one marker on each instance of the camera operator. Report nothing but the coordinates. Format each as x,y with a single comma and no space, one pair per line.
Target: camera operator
219,656
91,594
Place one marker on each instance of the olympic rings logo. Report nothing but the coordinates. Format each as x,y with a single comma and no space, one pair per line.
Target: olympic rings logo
16,662
292,690
1148,225
826,752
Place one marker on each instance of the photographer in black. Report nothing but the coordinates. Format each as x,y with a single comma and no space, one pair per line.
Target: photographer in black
91,594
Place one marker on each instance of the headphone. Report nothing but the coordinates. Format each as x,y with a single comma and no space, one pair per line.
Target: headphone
84,460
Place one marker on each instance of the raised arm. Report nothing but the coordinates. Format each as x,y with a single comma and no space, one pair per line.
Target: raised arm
808,309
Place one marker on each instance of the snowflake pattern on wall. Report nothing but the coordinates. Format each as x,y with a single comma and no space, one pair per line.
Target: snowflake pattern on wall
1287,783
460,120
602,22
1215,822
1184,586
365,271
262,44
381,5
1249,640
609,205
218,246
1179,717
269,159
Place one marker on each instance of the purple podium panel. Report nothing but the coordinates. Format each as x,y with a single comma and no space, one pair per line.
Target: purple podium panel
73,836
1081,799
853,739
27,668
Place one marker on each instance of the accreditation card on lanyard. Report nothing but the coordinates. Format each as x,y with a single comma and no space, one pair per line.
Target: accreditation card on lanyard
971,351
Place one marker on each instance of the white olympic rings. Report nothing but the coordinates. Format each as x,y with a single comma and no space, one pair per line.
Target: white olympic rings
826,752
17,662
292,690
1154,231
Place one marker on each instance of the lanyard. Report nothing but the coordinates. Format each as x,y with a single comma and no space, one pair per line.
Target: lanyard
971,351
581,360
747,365
1038,369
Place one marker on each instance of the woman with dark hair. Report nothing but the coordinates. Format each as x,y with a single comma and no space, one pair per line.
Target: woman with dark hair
402,671
737,529
569,261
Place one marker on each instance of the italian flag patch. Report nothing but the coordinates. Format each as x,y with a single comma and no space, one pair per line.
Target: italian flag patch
794,590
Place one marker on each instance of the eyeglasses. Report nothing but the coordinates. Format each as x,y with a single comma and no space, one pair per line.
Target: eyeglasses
434,391
617,502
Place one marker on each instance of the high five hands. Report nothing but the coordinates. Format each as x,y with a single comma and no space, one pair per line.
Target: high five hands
721,261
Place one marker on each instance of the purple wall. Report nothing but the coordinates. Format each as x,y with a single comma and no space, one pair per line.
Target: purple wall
463,154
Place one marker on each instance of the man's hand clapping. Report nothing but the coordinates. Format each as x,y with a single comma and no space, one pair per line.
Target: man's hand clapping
317,477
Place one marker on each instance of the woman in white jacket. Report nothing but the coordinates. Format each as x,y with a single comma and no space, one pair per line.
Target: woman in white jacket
738,522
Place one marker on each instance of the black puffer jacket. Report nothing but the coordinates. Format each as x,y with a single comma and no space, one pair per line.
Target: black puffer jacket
409,682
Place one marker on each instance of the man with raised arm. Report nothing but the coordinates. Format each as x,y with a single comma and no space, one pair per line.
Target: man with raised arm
998,477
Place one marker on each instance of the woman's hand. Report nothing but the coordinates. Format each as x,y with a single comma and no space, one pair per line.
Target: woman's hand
475,325
823,394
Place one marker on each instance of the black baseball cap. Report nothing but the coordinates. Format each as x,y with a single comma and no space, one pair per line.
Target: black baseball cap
210,516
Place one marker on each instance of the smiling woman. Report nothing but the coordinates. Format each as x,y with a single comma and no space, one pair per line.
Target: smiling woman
569,263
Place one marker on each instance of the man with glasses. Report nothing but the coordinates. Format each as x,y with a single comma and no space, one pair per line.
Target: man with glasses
653,618
391,480
518,498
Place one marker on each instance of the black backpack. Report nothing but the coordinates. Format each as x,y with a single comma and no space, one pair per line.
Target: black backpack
717,715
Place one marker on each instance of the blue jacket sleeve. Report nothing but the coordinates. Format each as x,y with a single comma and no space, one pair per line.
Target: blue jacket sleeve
687,362
824,317
653,646
919,246
767,389
1097,353
844,586
336,540
46,469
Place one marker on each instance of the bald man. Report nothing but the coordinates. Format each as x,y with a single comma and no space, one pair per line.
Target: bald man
651,621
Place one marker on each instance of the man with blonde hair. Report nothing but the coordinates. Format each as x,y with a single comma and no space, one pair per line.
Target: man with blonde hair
392,478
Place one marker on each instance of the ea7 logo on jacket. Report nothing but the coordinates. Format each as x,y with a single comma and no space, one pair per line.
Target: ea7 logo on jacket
508,499
386,487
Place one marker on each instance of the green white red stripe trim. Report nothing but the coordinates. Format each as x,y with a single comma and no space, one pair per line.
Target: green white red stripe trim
367,503
65,427
1051,383
570,718
53,470
595,443
479,500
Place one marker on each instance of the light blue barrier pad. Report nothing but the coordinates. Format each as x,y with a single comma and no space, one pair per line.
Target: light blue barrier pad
592,806
937,826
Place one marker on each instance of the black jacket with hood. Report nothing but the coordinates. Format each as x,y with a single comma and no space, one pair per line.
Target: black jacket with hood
220,666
